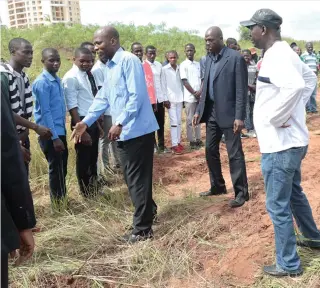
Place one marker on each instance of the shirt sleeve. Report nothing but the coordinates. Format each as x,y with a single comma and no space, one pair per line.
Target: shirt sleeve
183,72
41,92
310,80
98,107
291,85
163,85
71,92
136,86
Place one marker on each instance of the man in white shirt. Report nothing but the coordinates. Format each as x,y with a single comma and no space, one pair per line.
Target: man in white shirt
162,99
190,75
174,90
79,90
279,119
106,145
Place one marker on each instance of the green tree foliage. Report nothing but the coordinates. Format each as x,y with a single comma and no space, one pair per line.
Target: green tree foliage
244,33
67,38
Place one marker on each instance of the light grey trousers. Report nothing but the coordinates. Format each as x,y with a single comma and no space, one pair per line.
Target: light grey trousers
193,133
107,148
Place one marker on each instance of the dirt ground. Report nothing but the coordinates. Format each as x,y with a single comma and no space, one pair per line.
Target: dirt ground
249,227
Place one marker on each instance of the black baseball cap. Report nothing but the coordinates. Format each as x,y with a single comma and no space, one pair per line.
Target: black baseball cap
265,17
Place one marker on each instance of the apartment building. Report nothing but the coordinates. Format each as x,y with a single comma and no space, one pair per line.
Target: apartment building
27,13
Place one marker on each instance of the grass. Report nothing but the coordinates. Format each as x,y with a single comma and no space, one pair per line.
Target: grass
80,247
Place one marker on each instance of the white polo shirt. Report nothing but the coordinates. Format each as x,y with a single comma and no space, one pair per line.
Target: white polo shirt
172,84
284,86
190,70
156,68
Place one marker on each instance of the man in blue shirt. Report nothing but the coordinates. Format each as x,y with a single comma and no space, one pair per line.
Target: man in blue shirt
124,91
50,112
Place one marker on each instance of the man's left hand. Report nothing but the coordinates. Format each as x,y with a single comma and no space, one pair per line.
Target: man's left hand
114,132
237,126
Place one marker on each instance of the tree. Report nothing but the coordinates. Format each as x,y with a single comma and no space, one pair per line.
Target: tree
244,33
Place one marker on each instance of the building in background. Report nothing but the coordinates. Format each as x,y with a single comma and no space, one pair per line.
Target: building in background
27,13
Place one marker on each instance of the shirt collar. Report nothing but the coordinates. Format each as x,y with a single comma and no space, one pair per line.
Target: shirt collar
189,61
150,62
116,57
76,68
220,53
48,75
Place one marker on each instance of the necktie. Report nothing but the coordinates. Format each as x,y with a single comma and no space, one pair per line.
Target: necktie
92,83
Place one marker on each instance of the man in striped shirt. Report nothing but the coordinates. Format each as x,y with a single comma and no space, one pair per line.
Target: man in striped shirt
311,60
21,54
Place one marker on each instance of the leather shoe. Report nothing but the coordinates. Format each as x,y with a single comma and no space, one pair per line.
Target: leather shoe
213,192
276,272
133,238
307,245
239,200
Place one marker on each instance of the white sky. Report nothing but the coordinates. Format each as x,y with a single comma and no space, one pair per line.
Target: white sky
301,19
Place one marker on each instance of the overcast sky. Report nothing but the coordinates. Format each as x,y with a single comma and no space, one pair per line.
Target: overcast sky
301,19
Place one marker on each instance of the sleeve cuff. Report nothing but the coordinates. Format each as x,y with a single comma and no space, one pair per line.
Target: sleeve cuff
88,120
122,119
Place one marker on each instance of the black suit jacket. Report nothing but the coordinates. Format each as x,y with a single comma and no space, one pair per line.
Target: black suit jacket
17,212
230,89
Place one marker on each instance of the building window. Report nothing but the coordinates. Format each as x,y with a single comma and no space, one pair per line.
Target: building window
34,13
33,2
34,8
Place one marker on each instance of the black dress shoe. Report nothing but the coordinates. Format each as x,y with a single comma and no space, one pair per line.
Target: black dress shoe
213,192
239,200
133,238
307,245
274,271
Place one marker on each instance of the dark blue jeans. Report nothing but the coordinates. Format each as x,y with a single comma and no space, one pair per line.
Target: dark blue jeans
57,167
285,198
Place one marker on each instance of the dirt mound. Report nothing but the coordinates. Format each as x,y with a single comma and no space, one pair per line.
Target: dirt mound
246,244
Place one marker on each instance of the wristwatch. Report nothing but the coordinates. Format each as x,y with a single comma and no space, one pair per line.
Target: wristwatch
118,124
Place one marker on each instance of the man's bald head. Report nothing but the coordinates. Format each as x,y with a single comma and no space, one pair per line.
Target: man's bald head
214,40
108,32
215,31
17,43
106,41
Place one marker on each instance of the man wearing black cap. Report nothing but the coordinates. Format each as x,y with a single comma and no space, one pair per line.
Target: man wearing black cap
279,119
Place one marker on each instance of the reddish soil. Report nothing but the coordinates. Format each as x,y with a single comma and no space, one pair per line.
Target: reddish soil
248,235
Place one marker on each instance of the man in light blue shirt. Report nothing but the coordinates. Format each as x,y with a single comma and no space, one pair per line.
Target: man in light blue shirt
50,112
124,91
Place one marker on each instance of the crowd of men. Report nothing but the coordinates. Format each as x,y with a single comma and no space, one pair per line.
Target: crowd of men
122,98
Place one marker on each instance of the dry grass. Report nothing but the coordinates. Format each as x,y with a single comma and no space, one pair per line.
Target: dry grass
79,247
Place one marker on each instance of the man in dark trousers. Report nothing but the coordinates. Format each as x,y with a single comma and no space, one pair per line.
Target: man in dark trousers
223,108
133,127
17,212
50,111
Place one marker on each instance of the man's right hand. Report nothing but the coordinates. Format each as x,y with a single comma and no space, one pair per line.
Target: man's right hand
26,246
196,119
58,145
197,94
166,104
78,131
43,132
26,154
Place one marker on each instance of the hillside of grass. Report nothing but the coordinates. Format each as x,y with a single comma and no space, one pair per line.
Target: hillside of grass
66,39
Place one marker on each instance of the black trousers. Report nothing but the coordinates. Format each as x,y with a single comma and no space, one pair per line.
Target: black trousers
4,270
136,156
26,144
58,163
160,116
86,162
235,155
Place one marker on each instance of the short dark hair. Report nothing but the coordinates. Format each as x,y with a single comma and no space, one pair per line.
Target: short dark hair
246,50
135,43
231,41
173,52
47,51
293,44
191,45
82,50
16,43
85,44
150,47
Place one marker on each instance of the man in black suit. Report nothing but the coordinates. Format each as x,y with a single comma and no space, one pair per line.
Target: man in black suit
222,107
17,212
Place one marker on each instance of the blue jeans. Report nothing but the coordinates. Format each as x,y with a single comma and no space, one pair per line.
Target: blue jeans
282,178
312,103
